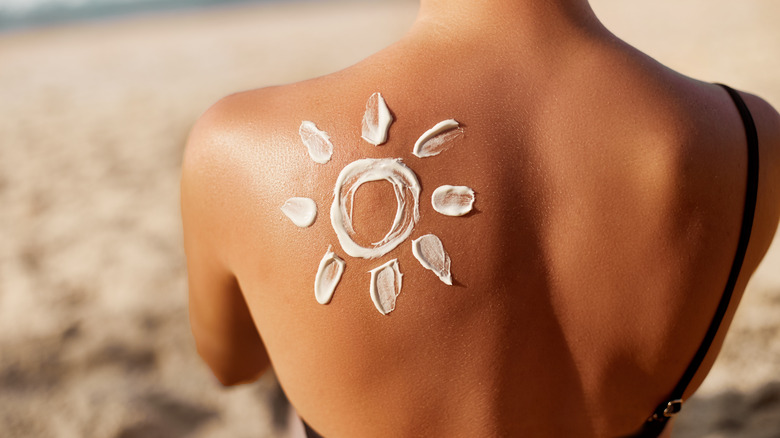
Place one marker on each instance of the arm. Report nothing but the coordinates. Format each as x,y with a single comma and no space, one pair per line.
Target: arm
225,335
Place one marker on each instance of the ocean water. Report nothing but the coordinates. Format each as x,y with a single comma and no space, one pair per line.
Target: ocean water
18,14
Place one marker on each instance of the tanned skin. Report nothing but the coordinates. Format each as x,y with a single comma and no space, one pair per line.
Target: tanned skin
610,192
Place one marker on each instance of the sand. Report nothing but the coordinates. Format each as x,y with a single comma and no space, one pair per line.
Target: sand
94,338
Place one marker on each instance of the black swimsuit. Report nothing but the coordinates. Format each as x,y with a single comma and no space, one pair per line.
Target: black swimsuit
673,403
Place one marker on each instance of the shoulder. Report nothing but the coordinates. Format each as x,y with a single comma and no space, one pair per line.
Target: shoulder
226,126
216,167
242,156
215,144
767,121
238,133
250,124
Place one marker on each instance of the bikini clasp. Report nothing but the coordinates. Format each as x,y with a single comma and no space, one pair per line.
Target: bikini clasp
673,408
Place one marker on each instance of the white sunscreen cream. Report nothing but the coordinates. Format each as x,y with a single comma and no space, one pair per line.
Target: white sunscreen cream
301,211
437,139
316,141
385,286
407,196
376,120
453,200
430,252
328,277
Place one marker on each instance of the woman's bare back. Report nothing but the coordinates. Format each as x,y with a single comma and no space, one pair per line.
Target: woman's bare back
609,198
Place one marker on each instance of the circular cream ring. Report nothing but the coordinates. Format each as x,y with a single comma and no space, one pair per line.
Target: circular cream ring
366,170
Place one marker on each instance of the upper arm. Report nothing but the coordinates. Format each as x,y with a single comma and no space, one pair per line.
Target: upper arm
221,323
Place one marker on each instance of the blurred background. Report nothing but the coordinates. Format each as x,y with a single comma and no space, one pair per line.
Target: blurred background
96,100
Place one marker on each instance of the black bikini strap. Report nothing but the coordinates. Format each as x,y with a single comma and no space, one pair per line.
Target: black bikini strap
310,433
674,403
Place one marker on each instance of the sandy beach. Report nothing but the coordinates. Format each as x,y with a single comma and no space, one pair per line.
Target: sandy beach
94,336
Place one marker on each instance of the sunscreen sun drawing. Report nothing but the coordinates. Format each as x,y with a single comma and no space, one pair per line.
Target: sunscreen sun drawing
386,279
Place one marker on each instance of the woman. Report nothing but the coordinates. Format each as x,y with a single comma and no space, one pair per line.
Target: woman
619,210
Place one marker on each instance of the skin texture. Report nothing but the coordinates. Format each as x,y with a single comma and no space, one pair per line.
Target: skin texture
609,200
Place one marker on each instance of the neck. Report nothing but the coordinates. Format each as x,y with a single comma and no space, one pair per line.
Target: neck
520,18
